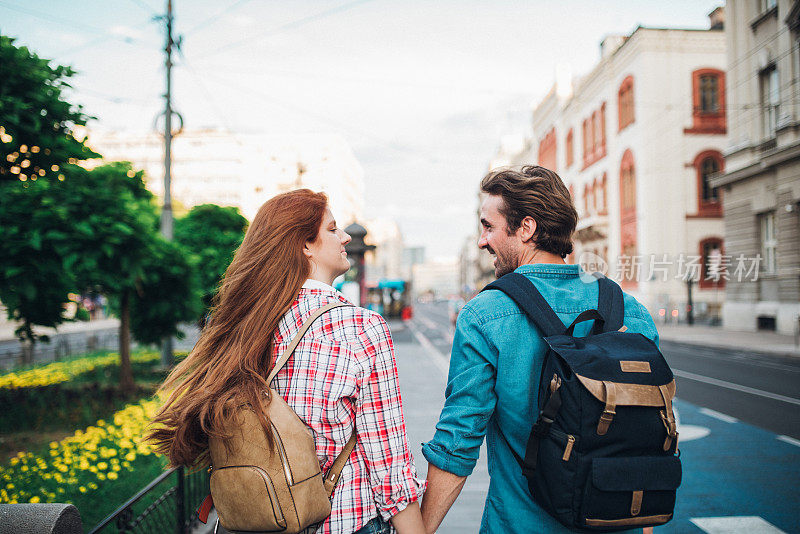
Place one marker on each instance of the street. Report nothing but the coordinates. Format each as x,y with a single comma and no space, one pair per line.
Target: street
739,430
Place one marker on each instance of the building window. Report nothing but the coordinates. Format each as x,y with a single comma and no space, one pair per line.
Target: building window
547,150
709,93
707,164
594,136
708,102
627,179
769,242
708,167
770,99
570,148
712,271
625,102
766,5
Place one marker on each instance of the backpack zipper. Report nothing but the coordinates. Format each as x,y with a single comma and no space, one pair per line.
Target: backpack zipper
568,448
568,440
284,458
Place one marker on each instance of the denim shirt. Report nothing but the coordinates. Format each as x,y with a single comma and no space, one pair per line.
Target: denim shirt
495,364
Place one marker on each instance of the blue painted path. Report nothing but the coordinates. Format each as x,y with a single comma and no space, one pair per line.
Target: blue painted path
735,470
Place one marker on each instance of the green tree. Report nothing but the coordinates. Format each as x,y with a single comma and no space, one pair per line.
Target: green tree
34,280
117,249
37,145
211,234
36,122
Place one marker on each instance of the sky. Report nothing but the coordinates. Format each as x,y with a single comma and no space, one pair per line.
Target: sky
423,91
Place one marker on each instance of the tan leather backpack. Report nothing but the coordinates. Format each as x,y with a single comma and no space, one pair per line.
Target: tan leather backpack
279,488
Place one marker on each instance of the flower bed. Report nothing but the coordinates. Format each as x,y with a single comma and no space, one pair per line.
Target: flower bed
58,372
96,469
73,394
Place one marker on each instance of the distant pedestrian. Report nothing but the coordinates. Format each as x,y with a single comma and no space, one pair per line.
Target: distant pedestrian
341,380
528,219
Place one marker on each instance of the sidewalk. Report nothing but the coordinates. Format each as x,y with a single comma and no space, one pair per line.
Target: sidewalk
718,337
422,383
7,328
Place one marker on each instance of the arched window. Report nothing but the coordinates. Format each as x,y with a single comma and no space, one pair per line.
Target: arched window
625,103
627,181
708,167
708,102
627,194
714,268
570,148
707,164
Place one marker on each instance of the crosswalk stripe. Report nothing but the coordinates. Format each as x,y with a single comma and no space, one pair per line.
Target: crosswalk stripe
718,415
791,441
735,525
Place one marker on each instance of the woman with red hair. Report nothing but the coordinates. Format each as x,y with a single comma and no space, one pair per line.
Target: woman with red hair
341,378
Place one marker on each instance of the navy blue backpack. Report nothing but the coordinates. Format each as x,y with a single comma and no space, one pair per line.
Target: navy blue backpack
602,452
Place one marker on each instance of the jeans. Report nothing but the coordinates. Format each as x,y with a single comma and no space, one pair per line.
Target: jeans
377,525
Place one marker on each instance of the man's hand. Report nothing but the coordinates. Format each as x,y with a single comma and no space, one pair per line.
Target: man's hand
443,488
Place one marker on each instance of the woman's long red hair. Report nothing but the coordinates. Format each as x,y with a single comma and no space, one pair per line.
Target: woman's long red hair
230,362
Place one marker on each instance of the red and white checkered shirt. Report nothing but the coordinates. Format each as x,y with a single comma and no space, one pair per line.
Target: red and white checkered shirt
343,375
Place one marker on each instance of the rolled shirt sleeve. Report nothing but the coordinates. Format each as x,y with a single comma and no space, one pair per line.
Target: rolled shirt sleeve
470,399
381,426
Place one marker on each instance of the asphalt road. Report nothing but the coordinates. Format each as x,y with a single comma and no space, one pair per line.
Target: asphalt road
760,389
738,427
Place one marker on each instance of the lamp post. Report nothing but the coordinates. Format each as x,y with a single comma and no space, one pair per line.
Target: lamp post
355,251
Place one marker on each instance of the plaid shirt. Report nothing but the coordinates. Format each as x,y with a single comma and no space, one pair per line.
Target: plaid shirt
343,375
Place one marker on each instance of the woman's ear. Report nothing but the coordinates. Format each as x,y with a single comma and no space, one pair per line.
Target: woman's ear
307,250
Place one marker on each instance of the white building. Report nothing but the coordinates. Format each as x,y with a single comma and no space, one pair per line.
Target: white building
243,170
439,276
386,260
636,140
761,183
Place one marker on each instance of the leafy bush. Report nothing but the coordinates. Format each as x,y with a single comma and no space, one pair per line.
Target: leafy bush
72,394
95,469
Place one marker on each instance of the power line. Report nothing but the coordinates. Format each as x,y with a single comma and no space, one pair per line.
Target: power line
50,18
288,26
145,7
236,5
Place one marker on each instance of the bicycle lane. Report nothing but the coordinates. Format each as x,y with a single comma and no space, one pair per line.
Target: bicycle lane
736,477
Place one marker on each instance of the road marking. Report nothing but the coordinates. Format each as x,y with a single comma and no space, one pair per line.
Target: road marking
429,323
438,358
736,387
735,525
792,441
718,415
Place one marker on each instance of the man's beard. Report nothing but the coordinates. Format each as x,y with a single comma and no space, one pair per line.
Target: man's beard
505,262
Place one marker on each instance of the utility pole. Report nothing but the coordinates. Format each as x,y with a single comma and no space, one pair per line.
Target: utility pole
166,211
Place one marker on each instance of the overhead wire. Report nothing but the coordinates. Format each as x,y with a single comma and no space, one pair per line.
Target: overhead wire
287,26
225,11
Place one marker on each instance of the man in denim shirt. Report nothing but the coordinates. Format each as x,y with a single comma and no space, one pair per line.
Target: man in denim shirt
528,219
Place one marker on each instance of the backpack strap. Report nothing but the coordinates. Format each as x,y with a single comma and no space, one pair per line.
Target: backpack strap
332,476
524,293
610,304
280,362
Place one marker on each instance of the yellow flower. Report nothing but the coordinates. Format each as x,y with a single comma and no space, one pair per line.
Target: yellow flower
102,465
112,475
82,489
35,498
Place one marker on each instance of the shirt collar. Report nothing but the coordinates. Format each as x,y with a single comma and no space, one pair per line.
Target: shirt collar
316,284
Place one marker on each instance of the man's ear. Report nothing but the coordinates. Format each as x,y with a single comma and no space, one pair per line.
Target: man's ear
527,229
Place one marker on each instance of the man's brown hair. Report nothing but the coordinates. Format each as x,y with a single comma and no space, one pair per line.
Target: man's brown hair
536,192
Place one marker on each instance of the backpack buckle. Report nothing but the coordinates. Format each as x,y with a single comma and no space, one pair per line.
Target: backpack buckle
541,427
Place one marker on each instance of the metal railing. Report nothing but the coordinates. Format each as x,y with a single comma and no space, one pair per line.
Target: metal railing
167,504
